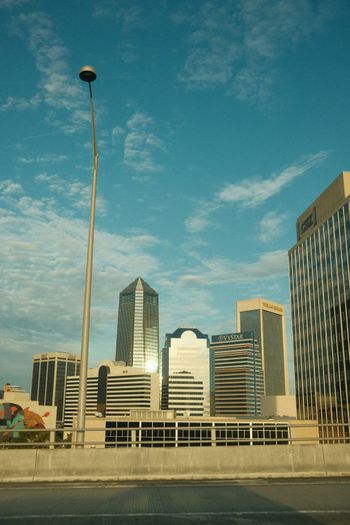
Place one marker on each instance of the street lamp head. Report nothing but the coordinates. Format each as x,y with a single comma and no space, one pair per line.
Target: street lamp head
87,74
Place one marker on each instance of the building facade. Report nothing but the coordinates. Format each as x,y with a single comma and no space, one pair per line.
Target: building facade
238,374
50,371
186,372
266,320
138,326
319,270
113,389
165,429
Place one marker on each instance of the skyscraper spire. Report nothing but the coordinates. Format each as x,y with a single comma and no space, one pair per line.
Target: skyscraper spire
138,326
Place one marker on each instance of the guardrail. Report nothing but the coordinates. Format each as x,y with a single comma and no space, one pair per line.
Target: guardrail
133,434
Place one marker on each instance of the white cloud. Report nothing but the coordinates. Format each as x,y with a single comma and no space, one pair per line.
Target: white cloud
75,191
271,226
117,132
11,4
141,144
200,219
50,157
21,104
42,273
8,187
235,44
57,88
250,193
217,270
128,13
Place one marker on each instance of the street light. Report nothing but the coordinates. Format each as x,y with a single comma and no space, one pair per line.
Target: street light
87,74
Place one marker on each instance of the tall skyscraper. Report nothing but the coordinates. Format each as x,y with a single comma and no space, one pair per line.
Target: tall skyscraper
138,326
238,374
50,371
266,319
319,269
186,372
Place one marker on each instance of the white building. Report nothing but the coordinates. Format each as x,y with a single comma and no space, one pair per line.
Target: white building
186,372
113,389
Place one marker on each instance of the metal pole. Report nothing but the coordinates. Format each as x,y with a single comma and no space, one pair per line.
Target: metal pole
87,295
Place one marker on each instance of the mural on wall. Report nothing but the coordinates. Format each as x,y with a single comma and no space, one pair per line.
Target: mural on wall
13,417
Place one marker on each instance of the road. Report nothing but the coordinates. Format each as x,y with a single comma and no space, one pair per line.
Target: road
259,502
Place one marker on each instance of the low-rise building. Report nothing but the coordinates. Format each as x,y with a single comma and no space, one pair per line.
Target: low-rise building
113,389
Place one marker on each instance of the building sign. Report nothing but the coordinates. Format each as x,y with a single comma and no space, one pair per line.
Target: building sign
225,338
272,307
307,223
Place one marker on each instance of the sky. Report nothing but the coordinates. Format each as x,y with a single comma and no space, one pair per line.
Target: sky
218,122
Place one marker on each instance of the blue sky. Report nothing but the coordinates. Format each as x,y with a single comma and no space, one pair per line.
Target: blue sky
218,122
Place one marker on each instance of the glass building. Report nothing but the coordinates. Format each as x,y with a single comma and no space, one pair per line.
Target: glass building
50,371
266,320
186,372
319,269
238,374
138,326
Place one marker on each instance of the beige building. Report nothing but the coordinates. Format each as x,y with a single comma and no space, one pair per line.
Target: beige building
319,270
113,389
266,320
278,406
163,429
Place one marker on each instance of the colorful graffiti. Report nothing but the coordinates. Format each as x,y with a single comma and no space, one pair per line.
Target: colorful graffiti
13,417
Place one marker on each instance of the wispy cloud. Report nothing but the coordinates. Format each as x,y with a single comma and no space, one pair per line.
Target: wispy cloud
215,271
129,13
141,144
49,158
234,44
250,193
78,193
20,104
56,88
42,272
8,187
201,217
11,4
271,226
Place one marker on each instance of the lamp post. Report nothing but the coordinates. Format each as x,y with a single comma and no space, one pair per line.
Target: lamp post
87,74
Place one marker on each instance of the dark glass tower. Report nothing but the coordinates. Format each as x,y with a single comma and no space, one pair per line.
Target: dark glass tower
138,326
319,270
50,371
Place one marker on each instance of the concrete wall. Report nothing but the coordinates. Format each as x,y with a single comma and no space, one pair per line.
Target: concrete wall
174,463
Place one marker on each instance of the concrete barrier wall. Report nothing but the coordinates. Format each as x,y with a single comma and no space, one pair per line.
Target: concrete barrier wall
174,463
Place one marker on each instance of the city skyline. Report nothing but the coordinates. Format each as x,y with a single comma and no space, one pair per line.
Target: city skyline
217,125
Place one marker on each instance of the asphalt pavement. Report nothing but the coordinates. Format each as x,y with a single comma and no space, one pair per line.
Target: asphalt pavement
324,501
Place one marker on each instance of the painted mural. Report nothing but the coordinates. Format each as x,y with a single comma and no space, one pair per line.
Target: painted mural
13,418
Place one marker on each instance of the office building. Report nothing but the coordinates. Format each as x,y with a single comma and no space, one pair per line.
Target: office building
113,389
319,270
50,371
186,372
138,326
266,320
238,374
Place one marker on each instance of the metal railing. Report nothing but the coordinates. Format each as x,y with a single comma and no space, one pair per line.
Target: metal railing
118,434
